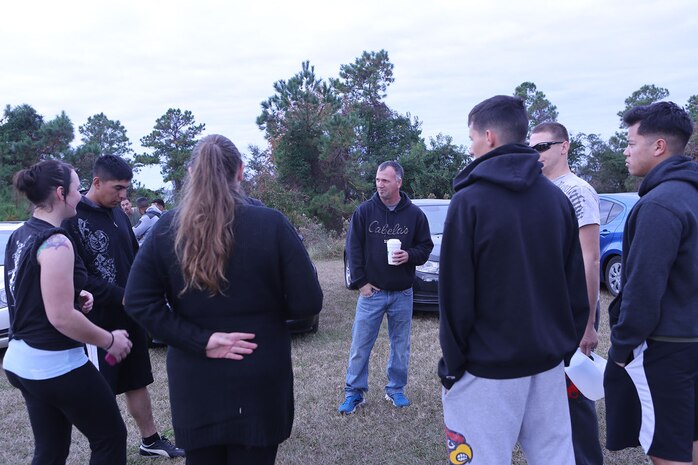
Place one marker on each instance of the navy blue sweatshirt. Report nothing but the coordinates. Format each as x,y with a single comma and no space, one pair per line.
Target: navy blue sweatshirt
660,260
512,291
104,240
371,226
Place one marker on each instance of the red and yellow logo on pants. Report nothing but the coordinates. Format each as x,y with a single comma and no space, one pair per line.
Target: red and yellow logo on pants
459,451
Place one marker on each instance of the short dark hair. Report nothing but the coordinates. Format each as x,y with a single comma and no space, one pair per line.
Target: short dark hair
159,202
665,119
399,172
504,114
112,168
556,129
142,202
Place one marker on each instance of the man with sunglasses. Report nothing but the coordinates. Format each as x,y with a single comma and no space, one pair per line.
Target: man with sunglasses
552,142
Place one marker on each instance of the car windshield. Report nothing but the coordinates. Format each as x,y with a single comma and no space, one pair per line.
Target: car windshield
436,215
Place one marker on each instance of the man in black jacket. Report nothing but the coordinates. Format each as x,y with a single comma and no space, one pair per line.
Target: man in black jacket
384,288
104,241
654,335
513,301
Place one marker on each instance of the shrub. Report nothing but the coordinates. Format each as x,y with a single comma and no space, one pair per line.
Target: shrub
12,206
322,243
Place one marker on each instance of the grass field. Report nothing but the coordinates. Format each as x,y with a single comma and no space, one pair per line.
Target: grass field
377,434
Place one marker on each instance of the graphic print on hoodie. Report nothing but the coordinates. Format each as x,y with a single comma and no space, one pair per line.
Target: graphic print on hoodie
96,242
105,242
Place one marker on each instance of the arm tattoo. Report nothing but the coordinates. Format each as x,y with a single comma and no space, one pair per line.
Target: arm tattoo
54,242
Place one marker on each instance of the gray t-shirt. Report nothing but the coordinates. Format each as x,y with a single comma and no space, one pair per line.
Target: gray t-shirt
584,198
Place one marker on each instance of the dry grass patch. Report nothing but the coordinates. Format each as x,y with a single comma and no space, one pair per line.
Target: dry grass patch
377,434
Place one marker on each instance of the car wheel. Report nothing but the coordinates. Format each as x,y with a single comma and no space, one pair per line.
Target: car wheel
347,274
612,277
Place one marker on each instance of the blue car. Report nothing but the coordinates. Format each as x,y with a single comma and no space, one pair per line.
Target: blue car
614,209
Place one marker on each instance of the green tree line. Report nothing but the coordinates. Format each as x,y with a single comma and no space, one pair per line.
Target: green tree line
325,139
601,162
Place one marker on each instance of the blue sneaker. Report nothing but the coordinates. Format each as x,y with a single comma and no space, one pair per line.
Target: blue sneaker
350,403
398,399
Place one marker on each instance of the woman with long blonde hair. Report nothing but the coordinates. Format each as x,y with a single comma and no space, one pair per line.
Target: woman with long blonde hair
233,273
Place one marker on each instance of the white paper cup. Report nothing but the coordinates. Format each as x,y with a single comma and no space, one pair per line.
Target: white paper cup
393,245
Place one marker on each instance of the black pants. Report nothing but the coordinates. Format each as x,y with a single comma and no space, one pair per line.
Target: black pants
82,398
585,424
232,454
585,427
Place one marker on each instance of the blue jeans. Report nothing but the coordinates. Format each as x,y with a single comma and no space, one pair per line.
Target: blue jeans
369,316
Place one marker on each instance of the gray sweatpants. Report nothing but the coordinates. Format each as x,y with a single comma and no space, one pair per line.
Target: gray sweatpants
485,418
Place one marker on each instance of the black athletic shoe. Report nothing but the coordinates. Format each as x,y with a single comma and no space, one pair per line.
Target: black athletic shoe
161,448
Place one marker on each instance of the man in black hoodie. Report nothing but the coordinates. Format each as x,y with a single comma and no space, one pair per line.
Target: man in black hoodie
384,288
513,301
104,241
654,334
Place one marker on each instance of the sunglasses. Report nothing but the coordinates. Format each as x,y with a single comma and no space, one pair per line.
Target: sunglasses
541,147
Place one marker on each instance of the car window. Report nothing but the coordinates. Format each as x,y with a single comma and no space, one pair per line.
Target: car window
616,210
604,209
609,211
436,216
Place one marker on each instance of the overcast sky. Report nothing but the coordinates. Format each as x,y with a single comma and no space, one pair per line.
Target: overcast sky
132,60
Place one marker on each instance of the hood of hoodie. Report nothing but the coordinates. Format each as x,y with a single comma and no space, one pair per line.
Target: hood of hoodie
675,168
90,205
513,166
402,204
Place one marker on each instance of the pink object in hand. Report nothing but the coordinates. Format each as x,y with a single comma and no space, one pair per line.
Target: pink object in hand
110,359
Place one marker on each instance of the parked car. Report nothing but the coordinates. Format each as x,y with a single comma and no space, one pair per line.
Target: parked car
6,228
304,325
614,209
426,281
307,325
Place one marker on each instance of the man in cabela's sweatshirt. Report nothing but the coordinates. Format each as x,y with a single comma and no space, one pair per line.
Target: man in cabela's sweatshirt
384,288
513,301
654,321
104,240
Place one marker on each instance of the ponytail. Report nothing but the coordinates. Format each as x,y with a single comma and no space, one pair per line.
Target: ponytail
204,238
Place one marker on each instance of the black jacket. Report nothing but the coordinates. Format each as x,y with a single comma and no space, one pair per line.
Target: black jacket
371,226
512,290
271,279
105,242
660,260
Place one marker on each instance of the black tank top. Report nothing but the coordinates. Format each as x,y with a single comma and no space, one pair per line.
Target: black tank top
28,319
